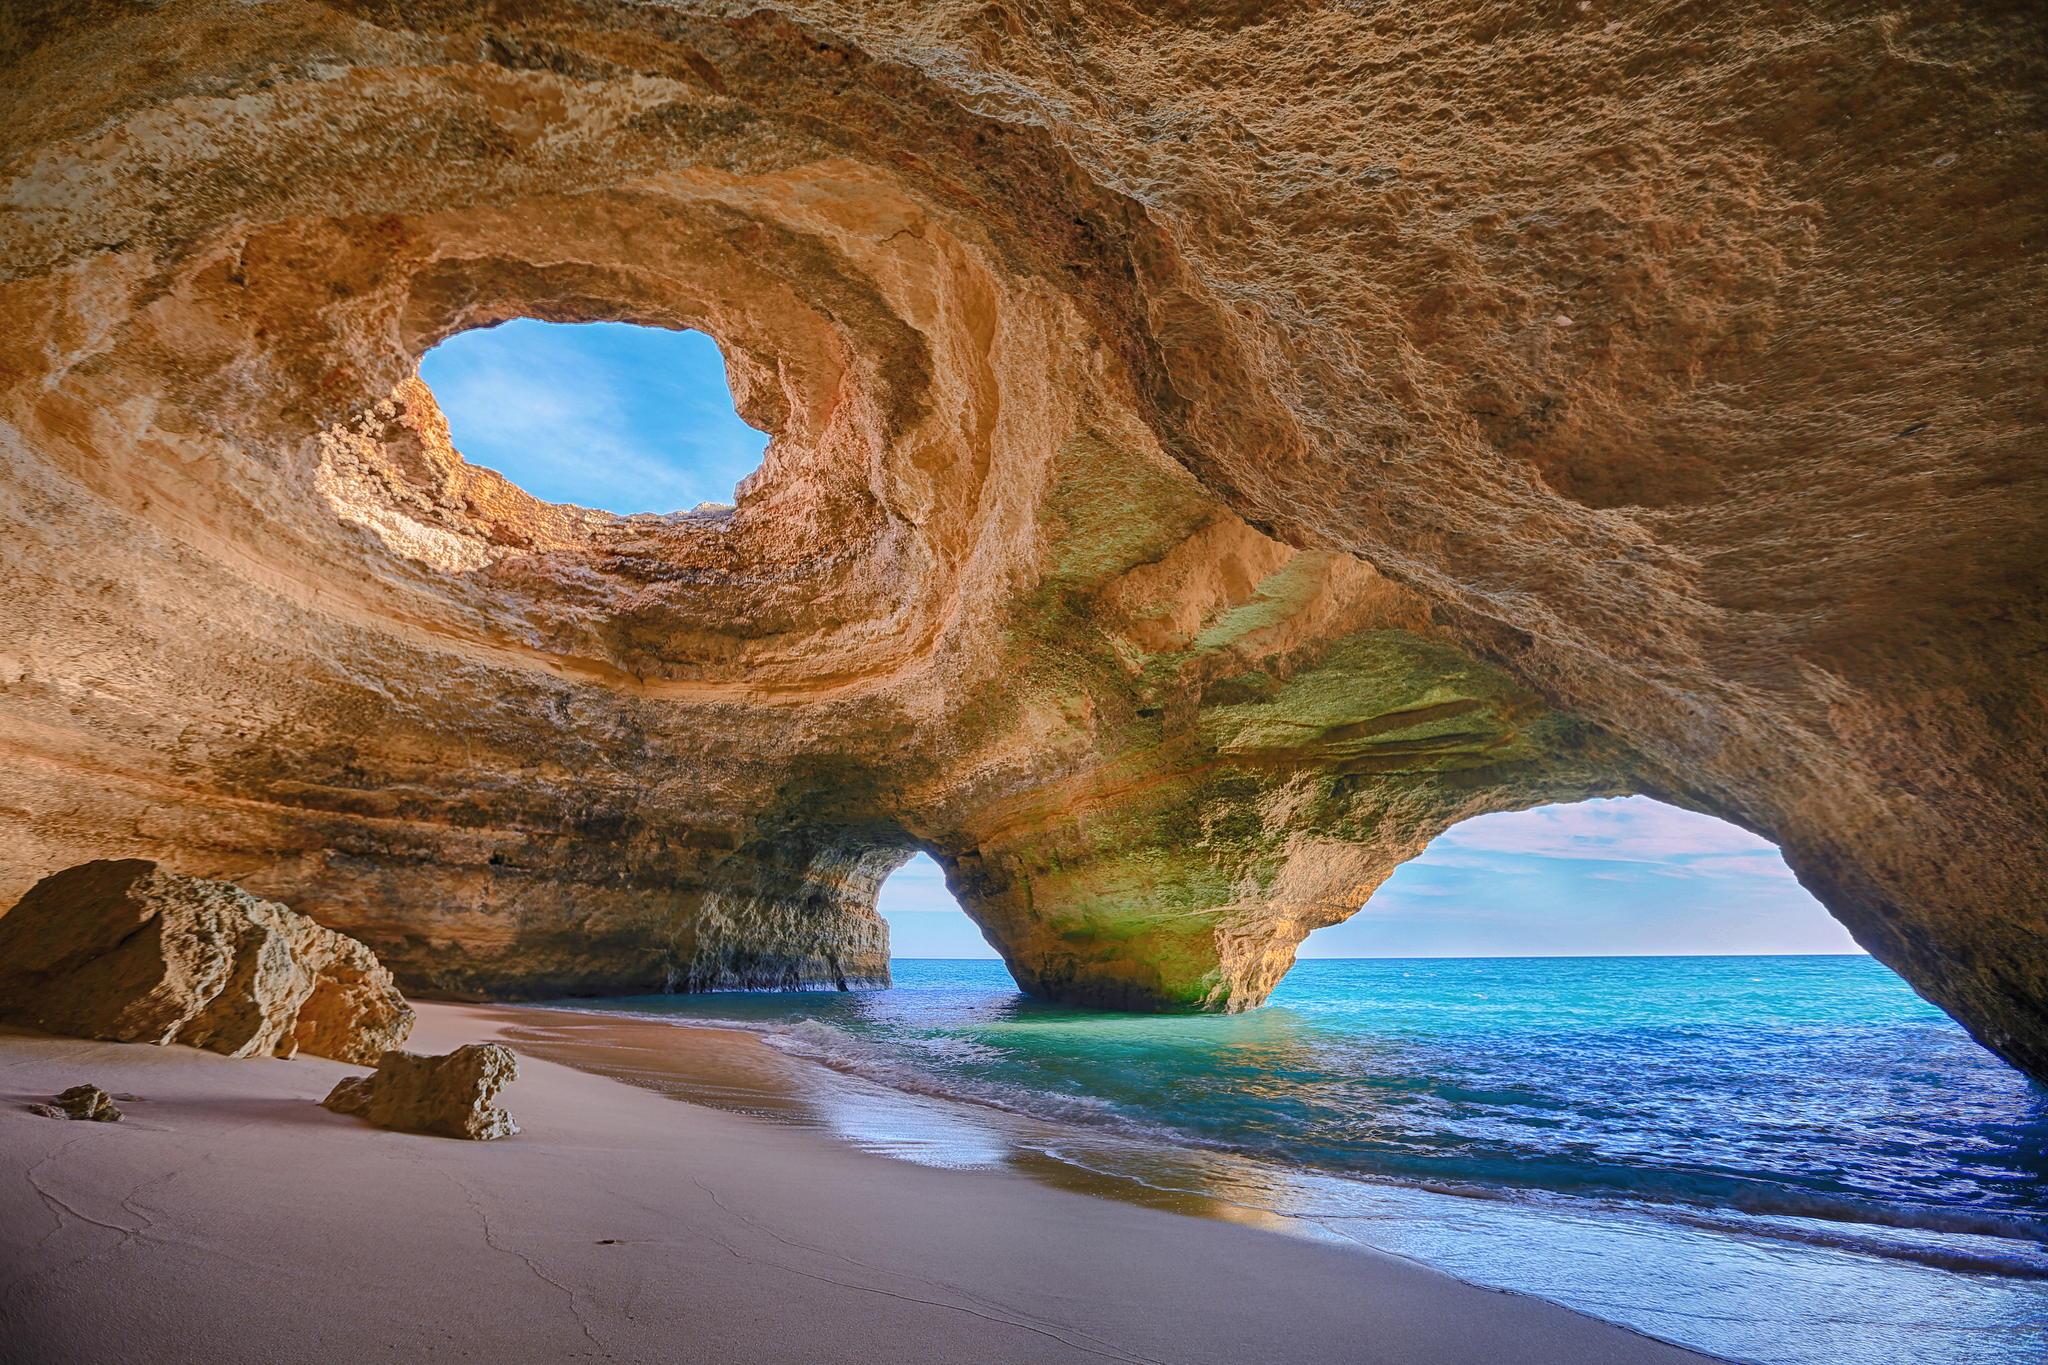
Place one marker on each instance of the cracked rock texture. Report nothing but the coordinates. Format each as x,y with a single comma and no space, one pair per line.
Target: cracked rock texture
453,1095
131,952
1216,448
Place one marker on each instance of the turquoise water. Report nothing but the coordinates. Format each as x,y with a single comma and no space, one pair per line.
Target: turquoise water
1686,1144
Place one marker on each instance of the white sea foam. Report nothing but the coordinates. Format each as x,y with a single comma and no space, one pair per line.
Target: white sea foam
1968,1241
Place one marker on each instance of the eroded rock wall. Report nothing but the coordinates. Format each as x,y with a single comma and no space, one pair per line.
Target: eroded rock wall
1215,448
129,951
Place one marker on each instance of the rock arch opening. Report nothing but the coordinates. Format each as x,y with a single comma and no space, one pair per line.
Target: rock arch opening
925,920
609,416
1624,876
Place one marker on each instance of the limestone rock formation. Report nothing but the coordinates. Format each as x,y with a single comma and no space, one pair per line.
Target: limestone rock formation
1216,447
129,951
449,1096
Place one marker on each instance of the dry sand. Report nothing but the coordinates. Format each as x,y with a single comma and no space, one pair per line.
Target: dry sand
230,1218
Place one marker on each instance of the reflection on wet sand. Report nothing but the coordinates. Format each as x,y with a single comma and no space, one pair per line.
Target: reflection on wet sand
1754,1291
734,1071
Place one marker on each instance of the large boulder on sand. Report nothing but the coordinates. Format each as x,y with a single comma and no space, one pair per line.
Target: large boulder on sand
450,1096
132,952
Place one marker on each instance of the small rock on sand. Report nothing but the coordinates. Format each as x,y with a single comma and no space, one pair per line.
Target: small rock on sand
81,1102
448,1096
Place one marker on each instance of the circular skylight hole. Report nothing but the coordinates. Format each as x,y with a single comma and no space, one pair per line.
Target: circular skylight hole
605,415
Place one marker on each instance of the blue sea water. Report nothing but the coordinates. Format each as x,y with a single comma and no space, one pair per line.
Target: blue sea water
1783,1159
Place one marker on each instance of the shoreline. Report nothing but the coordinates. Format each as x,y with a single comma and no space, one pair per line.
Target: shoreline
620,1225
771,1091
1729,1282
712,1032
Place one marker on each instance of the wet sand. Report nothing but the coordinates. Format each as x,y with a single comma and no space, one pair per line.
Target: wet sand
230,1218
733,1070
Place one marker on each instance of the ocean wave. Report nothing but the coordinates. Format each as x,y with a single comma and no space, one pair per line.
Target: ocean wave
1987,1248
1971,1241
1903,1217
842,1052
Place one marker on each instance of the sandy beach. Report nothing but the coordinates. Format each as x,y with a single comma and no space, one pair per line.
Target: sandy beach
230,1218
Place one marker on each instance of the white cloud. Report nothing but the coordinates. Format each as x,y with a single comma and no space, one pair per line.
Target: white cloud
918,887
1631,829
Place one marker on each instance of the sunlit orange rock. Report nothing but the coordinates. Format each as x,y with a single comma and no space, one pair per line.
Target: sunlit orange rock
1216,447
453,1095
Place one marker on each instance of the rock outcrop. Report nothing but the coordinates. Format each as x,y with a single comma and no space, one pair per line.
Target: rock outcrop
130,951
448,1096
1215,448
86,1102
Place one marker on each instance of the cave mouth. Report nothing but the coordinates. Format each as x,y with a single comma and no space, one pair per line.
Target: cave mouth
926,921
609,416
1608,877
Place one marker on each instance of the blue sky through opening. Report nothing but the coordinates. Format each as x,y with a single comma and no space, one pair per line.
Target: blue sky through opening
605,414
1627,876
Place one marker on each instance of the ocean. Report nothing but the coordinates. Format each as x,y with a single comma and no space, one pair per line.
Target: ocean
1789,1160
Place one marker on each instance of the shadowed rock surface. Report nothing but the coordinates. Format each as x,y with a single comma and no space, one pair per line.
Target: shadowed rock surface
81,1102
448,1096
131,952
1216,448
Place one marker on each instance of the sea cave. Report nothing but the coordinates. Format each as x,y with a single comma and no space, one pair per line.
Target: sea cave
1181,464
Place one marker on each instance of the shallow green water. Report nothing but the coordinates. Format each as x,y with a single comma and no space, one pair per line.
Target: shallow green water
1784,1159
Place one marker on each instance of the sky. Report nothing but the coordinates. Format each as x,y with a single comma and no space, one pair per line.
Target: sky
603,414
1621,877
924,919
638,419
